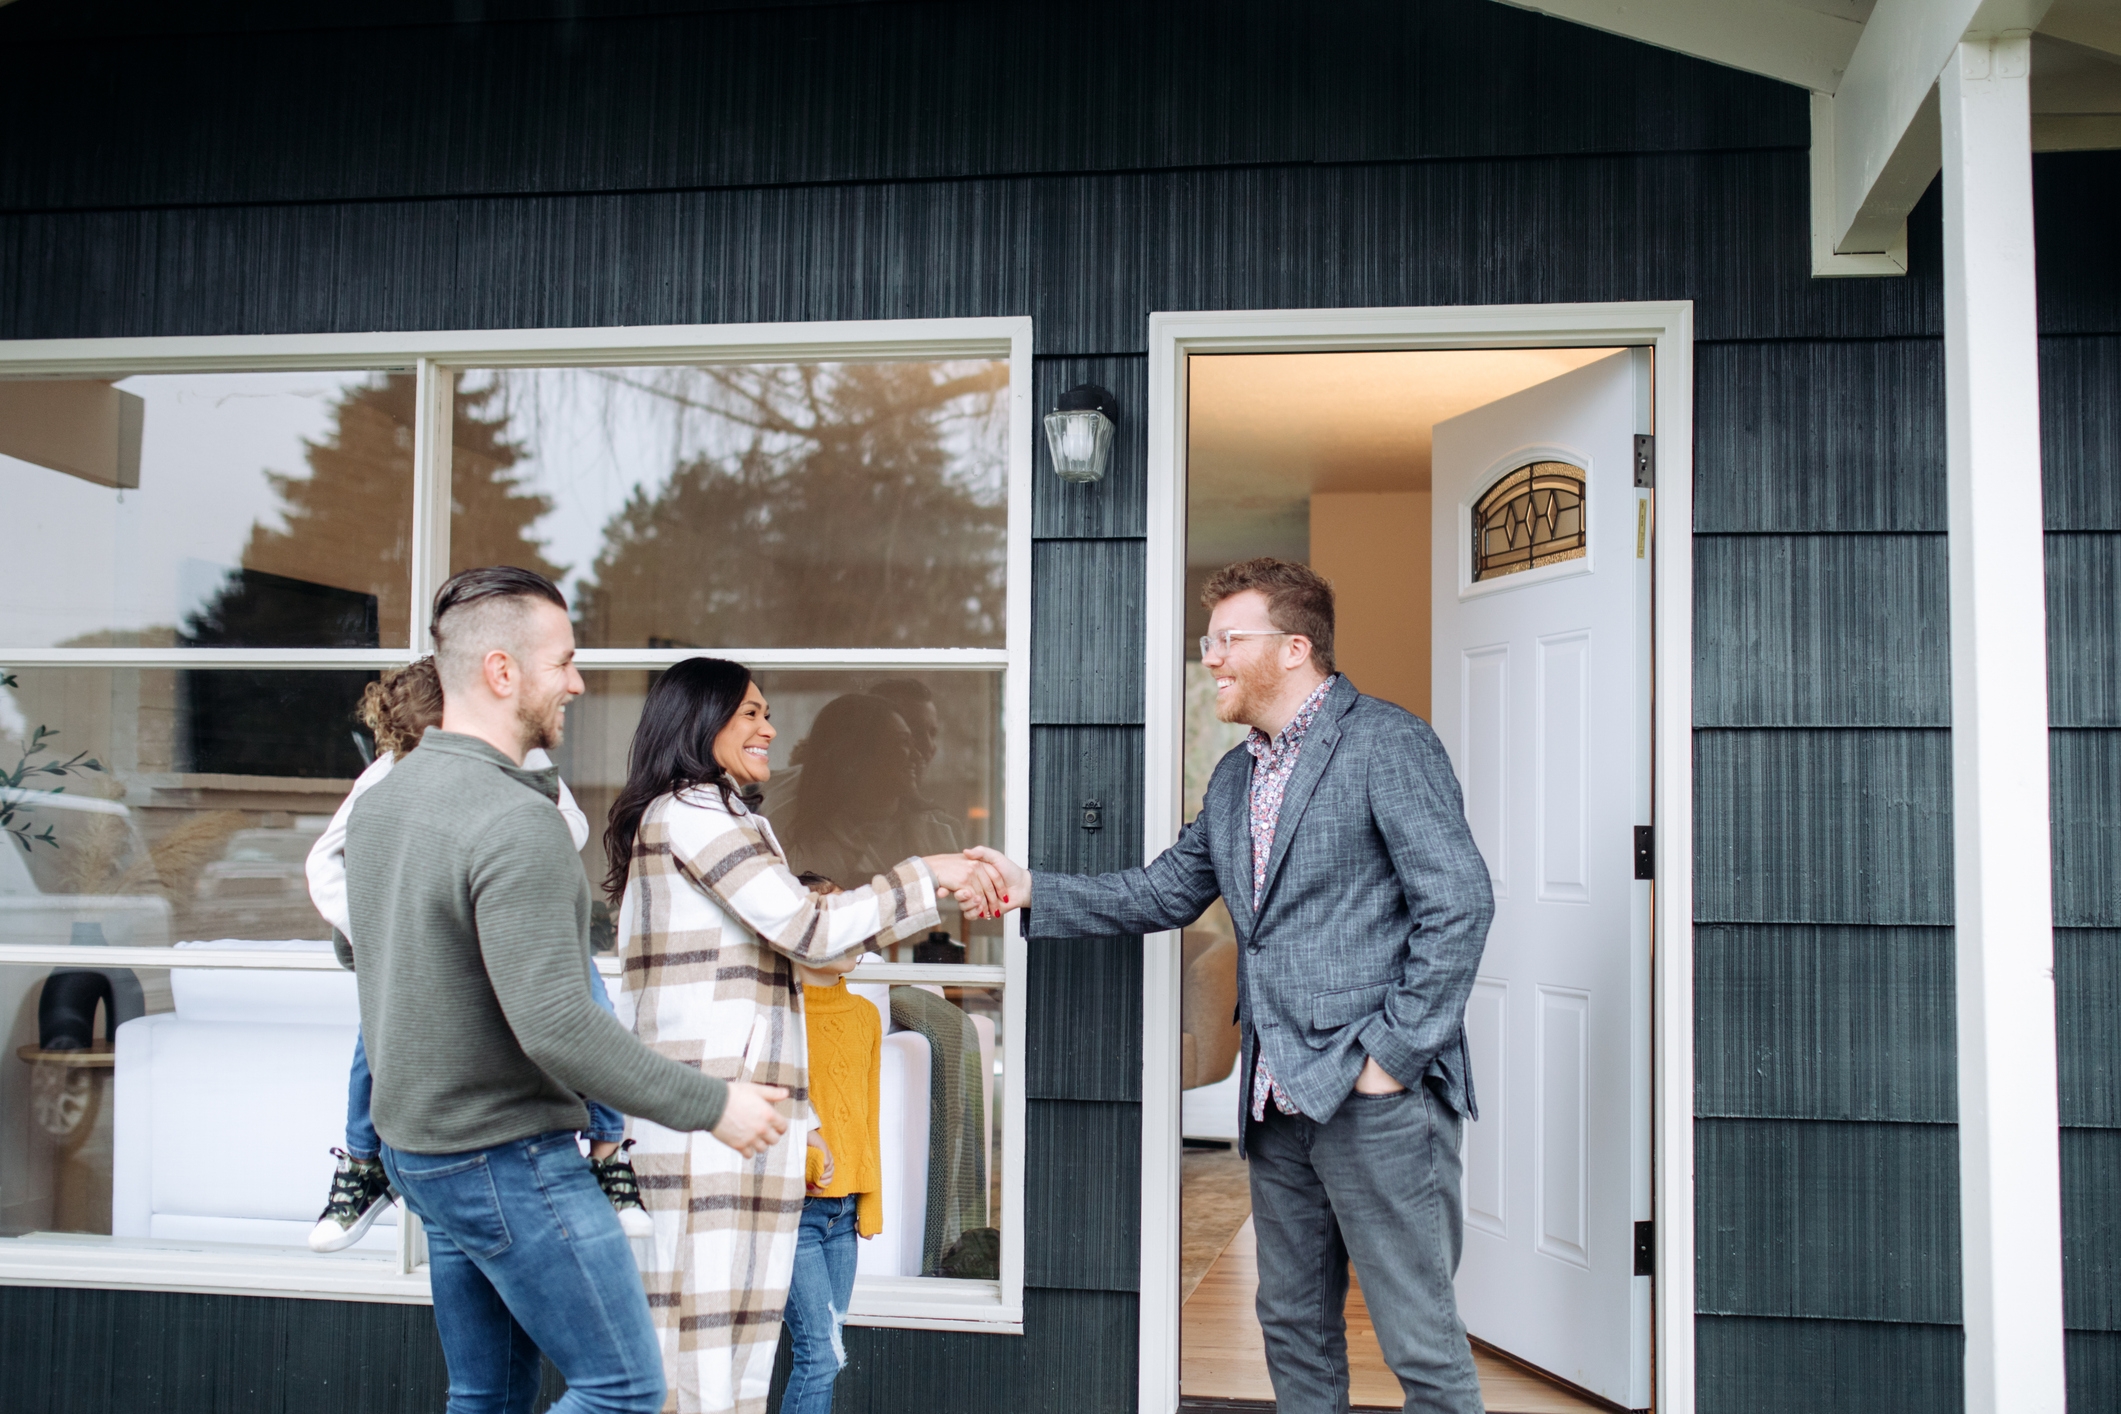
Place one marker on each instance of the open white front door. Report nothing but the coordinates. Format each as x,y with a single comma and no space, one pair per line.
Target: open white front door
1542,697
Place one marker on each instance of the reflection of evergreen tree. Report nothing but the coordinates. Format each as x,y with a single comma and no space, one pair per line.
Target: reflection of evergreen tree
490,511
845,522
349,522
338,575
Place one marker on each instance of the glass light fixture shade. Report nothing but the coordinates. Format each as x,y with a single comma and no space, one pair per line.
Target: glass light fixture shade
1081,442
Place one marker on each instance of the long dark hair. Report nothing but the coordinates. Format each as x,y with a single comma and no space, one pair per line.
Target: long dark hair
673,748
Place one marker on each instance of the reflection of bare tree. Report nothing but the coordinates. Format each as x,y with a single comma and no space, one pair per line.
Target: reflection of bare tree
843,517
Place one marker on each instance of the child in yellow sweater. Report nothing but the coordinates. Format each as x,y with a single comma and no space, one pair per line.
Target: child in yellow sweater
844,1182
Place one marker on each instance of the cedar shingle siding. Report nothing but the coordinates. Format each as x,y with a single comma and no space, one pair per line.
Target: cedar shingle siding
235,168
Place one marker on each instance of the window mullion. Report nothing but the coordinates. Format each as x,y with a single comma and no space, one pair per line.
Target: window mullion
431,448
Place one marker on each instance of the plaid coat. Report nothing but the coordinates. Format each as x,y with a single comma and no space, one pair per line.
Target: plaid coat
710,921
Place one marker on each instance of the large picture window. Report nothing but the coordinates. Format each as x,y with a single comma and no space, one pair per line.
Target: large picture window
214,545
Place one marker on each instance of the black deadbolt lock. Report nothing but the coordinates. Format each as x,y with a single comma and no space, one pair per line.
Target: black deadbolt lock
1093,815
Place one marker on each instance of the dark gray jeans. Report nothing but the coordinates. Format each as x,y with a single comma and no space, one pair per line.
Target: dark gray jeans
1378,1182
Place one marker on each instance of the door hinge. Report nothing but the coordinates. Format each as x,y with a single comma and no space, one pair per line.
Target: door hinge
1645,461
1646,1249
1645,851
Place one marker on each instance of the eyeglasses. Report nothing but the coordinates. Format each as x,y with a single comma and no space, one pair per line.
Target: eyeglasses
1209,640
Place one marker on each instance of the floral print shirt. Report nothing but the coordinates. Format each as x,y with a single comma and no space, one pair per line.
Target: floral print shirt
1274,762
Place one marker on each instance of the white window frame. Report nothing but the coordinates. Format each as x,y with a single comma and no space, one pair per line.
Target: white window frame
1668,329
995,1307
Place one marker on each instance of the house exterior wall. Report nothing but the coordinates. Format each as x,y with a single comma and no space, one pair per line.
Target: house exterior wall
2080,414
226,170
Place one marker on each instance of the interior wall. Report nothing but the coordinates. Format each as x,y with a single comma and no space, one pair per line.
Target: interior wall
1374,547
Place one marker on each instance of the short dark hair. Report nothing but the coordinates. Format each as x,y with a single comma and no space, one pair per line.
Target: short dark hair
476,600
492,582
1299,599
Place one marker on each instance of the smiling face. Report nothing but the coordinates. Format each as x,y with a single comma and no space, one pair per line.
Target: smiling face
740,747
549,678
1250,676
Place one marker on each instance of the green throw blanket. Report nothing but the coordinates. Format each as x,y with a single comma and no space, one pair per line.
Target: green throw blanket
957,1120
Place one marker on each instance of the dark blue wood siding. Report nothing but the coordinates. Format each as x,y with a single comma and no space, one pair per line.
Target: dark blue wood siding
66,1351
2081,453
232,167
1826,1148
1083,1187
1825,1085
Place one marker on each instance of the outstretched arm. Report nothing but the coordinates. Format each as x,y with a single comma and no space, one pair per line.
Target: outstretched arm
1171,891
726,857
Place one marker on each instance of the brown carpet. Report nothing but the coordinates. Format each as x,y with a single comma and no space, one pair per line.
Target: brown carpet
1216,1199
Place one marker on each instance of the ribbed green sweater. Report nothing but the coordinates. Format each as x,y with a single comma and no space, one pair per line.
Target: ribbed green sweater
470,917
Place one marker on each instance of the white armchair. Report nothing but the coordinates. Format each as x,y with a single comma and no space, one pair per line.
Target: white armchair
227,1108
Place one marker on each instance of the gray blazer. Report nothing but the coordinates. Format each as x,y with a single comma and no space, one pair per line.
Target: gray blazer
1371,923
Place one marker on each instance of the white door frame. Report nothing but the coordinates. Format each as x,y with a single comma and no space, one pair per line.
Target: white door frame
1667,328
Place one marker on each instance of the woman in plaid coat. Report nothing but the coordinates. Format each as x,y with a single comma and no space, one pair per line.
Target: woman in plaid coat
711,923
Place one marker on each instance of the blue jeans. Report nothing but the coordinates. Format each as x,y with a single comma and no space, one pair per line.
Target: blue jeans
525,1254
606,1125
818,1296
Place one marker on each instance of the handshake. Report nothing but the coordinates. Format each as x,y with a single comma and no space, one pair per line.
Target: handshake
985,882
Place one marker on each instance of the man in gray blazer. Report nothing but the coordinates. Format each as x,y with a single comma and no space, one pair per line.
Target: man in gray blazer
1337,837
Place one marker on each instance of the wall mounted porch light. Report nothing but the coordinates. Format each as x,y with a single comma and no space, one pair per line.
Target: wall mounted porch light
1079,432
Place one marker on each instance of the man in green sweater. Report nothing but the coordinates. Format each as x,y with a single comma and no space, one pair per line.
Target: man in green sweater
472,915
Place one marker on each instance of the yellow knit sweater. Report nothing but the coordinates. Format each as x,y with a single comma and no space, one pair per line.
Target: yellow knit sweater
846,1064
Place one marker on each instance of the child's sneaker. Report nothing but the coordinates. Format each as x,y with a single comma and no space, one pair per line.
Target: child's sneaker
360,1191
616,1177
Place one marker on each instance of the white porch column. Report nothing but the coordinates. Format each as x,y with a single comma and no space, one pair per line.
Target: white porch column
2009,1143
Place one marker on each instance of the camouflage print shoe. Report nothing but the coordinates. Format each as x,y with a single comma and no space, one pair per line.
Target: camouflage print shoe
360,1191
616,1177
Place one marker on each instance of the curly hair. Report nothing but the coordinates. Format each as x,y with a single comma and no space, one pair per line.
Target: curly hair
402,704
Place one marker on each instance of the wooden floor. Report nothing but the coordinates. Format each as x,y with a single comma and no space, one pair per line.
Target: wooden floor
1222,1354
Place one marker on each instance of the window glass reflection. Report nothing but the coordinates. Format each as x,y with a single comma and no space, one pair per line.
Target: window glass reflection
813,505
264,510
165,805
